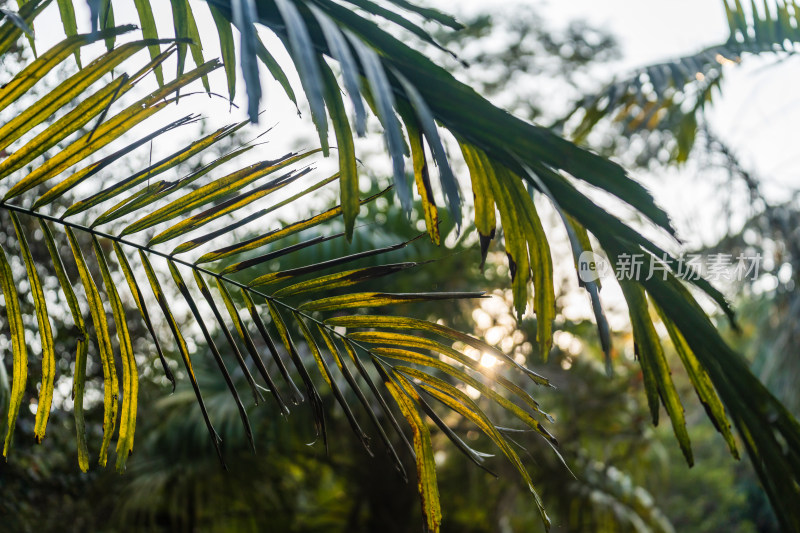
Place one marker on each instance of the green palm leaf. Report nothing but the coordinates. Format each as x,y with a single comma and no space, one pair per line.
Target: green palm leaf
404,88
297,299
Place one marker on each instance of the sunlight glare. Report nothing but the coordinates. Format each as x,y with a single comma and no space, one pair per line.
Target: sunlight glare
488,360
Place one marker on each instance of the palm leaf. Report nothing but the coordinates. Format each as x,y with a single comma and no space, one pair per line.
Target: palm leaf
381,68
20,374
403,87
45,332
288,302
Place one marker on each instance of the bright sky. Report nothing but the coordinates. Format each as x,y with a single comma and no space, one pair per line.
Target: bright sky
647,29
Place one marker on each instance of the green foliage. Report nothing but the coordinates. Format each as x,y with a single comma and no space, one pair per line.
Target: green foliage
408,93
134,209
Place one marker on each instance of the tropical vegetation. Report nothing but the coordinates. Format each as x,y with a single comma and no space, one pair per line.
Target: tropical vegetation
198,246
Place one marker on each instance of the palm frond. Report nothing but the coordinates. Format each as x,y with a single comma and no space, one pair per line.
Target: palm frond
512,152
223,280
402,87
395,80
667,98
